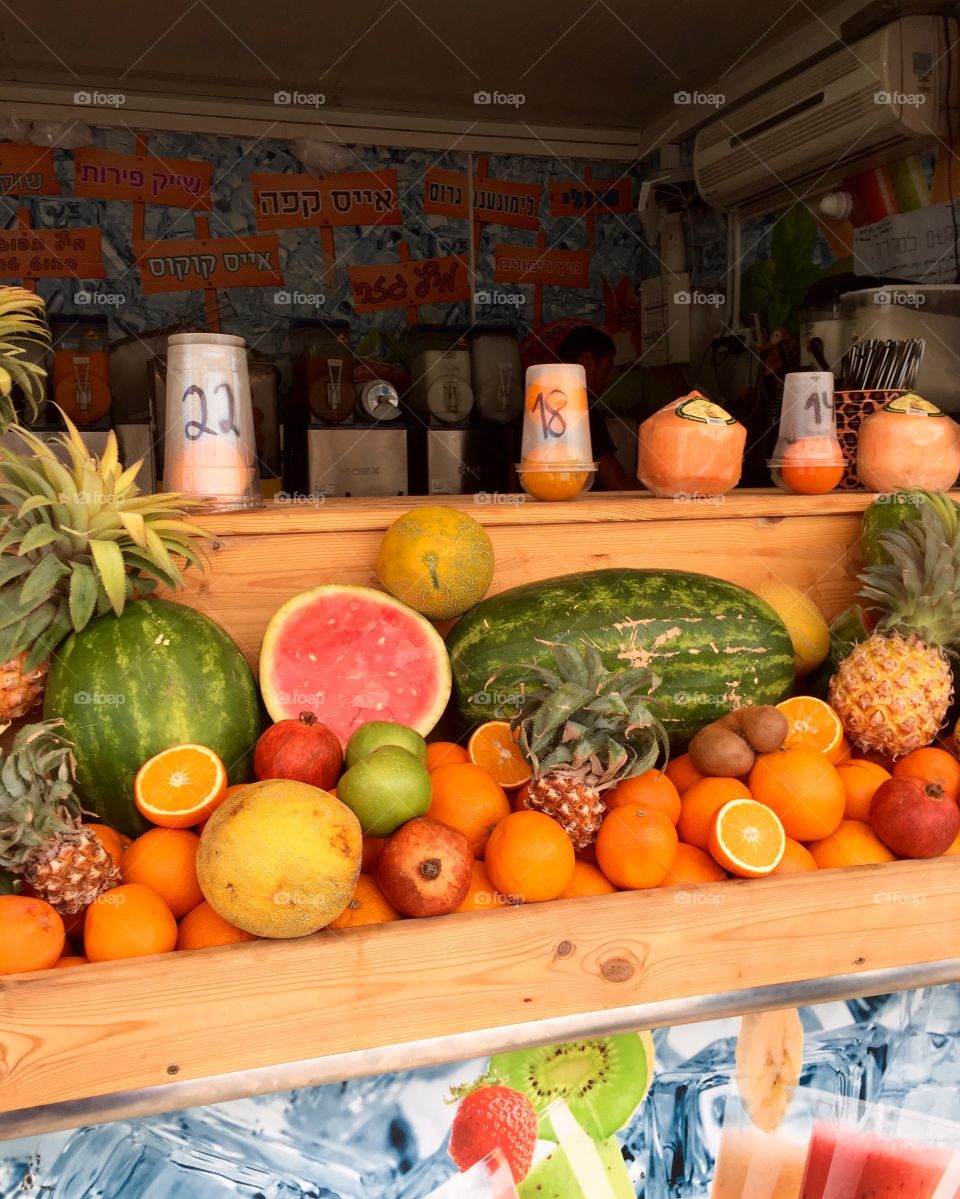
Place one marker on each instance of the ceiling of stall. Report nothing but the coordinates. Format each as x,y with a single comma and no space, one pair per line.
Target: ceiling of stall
612,64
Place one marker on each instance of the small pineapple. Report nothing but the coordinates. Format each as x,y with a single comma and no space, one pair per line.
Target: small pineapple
583,730
41,836
80,541
892,691
21,325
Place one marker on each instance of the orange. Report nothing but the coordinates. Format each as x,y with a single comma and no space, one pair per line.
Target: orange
652,789
445,753
587,880
31,934
636,847
481,897
812,466
747,838
518,800
466,798
529,858
202,927
372,849
843,752
112,841
692,865
128,922
852,843
180,786
932,765
812,724
701,802
796,858
69,960
165,860
368,906
954,848
493,747
682,773
860,779
804,790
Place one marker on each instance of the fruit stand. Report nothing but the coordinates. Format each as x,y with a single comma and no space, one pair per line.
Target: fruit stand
133,1037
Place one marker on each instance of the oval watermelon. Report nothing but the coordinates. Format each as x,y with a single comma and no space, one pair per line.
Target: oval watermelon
129,686
351,654
714,645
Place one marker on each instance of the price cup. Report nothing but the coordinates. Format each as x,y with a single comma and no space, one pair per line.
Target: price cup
556,423
210,447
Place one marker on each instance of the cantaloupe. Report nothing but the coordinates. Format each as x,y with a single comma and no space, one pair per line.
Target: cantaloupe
691,447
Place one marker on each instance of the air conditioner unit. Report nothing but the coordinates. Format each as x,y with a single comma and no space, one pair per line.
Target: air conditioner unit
861,106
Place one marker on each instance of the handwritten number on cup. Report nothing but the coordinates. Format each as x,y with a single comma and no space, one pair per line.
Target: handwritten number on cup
195,429
552,420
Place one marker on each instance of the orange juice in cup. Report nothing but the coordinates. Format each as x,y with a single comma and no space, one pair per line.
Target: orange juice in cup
556,458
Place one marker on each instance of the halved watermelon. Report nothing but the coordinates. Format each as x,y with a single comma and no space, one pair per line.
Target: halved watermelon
352,654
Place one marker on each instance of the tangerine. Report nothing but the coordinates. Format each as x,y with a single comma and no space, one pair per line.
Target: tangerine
494,748
701,802
202,927
587,880
803,789
445,753
69,960
465,797
113,842
933,766
692,865
31,934
180,786
811,724
747,838
653,789
860,780
129,921
165,860
518,800
852,843
812,465
682,773
529,858
367,906
481,897
796,858
636,847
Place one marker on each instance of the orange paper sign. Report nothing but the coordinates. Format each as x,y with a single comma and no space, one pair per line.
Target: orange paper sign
188,264
50,254
495,201
27,171
307,201
405,284
142,177
555,268
575,199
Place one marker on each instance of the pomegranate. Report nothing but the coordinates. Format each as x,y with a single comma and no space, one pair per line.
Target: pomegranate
425,868
303,750
914,818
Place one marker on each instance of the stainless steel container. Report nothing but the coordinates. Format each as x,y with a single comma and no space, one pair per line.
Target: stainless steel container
357,460
461,461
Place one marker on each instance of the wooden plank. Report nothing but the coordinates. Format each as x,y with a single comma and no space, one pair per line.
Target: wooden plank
130,1024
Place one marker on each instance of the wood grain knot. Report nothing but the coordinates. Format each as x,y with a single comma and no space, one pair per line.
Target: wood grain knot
173,1069
617,970
216,545
565,948
859,961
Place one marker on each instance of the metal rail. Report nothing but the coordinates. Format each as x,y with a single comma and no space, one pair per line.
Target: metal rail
409,1055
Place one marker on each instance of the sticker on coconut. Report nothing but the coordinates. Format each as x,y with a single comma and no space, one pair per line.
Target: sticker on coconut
704,412
912,405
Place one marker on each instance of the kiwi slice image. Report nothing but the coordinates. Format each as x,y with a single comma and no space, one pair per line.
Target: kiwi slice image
602,1080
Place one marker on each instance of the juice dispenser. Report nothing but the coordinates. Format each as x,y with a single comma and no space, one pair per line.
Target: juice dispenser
322,364
496,374
440,366
81,368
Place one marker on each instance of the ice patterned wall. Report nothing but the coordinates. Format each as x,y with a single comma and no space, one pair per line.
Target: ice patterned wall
255,313
386,1137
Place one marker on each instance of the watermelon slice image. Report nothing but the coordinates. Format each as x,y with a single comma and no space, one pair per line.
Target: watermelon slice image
351,654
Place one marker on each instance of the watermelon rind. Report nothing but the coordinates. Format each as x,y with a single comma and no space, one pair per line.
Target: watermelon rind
442,679
714,645
130,686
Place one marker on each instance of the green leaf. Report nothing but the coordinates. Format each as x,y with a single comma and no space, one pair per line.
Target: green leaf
758,290
11,567
42,580
37,537
47,642
793,242
570,663
83,595
109,563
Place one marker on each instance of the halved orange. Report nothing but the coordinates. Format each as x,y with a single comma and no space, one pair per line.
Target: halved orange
813,724
493,747
747,838
180,786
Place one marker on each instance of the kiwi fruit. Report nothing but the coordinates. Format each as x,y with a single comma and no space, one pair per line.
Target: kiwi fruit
718,751
602,1080
764,727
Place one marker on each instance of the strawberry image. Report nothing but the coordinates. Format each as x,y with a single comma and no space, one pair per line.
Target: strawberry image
494,1117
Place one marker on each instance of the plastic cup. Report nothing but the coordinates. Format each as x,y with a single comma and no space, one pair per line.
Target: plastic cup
808,458
752,1164
488,1179
210,446
556,455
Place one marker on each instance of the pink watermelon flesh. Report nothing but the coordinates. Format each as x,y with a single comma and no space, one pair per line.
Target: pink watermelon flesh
349,655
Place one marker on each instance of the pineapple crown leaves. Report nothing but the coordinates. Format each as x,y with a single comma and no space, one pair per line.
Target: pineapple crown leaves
918,591
38,798
21,326
82,541
587,721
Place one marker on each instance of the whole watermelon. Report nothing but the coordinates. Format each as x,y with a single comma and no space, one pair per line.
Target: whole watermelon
129,686
893,511
714,645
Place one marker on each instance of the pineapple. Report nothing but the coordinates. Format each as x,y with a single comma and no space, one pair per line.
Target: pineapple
583,730
41,836
21,325
892,691
81,541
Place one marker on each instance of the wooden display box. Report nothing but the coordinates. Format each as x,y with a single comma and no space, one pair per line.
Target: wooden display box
407,994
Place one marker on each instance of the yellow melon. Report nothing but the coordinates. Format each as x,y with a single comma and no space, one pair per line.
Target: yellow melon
437,560
808,630
280,858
